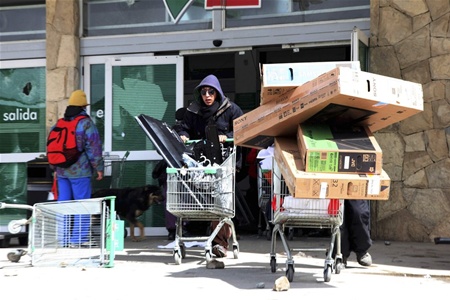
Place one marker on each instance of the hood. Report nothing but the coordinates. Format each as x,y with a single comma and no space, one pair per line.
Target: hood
213,82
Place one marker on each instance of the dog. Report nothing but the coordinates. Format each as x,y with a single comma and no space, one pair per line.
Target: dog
132,202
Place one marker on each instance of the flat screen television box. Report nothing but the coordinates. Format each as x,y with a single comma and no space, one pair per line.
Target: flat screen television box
336,148
282,79
303,184
371,100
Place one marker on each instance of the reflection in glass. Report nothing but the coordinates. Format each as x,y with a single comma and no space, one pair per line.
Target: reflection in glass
22,110
149,90
22,130
129,17
298,11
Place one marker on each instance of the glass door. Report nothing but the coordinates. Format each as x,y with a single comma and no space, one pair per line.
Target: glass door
120,88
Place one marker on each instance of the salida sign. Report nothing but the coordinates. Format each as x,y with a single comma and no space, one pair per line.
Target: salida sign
19,114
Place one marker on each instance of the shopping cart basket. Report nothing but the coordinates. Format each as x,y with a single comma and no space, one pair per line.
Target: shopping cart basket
305,213
202,193
265,195
52,224
114,167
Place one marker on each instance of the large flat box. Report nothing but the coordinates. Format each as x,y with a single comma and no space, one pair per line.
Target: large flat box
281,79
342,149
303,184
343,95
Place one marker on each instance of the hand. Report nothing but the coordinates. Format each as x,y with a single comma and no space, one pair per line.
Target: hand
184,138
222,138
99,175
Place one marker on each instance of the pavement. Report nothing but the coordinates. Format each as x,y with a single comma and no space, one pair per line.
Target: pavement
147,270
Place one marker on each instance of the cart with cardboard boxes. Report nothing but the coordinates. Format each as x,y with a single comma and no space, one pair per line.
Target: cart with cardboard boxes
320,118
305,213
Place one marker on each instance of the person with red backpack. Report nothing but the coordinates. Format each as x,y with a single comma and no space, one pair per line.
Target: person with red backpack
74,177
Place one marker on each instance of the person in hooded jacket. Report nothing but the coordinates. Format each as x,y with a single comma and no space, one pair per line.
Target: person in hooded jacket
74,182
211,106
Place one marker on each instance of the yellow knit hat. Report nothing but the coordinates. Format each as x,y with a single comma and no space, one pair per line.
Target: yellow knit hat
78,98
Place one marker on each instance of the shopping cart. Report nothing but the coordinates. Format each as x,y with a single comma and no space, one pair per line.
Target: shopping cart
305,213
265,195
114,167
53,223
202,193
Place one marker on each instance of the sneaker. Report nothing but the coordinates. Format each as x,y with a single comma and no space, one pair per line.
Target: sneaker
364,259
219,251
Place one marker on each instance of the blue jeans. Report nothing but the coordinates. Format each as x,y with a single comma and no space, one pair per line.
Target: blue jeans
74,229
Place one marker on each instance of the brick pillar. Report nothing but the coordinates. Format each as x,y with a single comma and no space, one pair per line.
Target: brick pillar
63,55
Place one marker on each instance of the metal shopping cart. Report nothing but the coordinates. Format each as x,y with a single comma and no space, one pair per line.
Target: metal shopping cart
114,167
202,193
305,213
52,224
265,195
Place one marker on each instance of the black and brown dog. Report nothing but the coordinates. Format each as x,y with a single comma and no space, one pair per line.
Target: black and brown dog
132,202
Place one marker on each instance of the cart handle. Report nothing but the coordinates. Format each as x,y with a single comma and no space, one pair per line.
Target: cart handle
4,205
228,140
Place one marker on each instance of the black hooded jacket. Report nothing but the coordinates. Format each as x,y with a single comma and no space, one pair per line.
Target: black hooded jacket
194,124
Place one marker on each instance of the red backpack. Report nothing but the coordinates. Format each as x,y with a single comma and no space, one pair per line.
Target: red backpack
62,148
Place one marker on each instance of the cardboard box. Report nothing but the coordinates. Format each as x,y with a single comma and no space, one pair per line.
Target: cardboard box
281,79
303,184
343,95
341,149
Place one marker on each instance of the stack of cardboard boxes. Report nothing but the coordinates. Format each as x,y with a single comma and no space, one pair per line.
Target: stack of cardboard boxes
320,118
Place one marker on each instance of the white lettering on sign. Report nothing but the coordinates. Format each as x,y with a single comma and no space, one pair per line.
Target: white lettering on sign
20,115
100,113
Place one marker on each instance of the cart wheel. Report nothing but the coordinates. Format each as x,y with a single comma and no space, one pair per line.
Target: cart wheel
16,255
327,274
273,264
177,257
208,256
15,226
338,266
235,252
290,273
183,251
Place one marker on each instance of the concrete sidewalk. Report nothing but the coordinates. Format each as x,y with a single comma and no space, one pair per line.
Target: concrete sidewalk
143,269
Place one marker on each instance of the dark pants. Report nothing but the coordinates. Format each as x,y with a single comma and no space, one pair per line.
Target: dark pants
170,219
355,230
223,236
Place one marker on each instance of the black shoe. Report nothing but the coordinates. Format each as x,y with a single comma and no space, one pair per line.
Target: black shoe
171,236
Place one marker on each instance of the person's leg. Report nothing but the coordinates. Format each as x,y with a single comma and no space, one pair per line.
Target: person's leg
220,241
170,220
63,221
81,190
358,225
